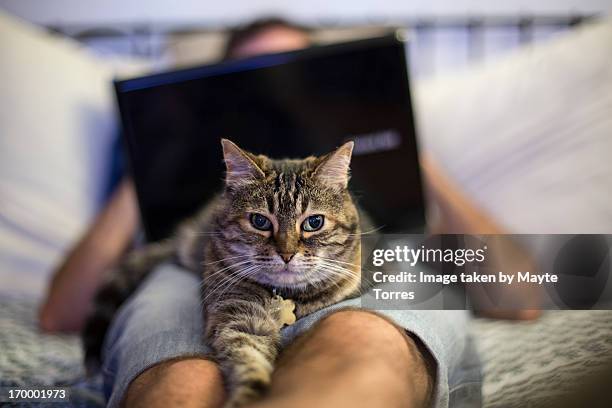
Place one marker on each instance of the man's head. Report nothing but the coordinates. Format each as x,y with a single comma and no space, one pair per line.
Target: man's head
266,36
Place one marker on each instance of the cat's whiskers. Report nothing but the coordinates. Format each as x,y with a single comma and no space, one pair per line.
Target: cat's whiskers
316,275
240,276
330,277
367,232
339,268
225,259
224,270
335,260
326,277
228,271
339,275
216,287
207,290
232,280
239,263
330,266
341,263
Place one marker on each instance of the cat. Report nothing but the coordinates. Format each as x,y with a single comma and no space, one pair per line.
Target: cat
281,241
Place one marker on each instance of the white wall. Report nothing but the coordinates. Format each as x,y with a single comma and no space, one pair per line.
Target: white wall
62,12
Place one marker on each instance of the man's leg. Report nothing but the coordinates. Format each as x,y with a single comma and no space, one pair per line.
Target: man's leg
154,353
366,344
352,359
189,382
154,348
349,359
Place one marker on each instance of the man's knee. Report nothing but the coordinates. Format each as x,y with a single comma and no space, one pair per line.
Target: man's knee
353,339
189,381
391,343
363,327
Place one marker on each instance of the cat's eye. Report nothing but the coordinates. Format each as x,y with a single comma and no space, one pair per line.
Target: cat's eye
313,223
261,222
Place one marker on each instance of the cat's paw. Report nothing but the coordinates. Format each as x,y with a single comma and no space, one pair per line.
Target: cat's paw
246,394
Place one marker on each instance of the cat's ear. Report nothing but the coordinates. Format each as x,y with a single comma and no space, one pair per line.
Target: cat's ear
240,168
334,167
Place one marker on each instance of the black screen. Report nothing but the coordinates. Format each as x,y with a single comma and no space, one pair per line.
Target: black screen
283,105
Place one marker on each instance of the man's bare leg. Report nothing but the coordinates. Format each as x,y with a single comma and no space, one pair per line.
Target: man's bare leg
190,382
352,359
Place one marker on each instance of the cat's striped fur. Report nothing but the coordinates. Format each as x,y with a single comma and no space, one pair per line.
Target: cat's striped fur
241,266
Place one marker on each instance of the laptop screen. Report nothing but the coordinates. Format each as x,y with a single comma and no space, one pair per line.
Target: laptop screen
287,105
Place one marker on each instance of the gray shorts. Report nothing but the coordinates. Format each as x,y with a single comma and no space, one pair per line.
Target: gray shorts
163,321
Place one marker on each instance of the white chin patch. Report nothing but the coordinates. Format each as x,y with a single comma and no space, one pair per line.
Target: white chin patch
289,279
284,275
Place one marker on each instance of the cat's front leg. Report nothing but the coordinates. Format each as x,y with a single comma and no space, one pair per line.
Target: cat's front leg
245,338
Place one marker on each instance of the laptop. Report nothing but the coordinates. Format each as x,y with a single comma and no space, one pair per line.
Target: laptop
287,105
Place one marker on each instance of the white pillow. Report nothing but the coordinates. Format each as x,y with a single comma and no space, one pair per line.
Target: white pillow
530,136
57,121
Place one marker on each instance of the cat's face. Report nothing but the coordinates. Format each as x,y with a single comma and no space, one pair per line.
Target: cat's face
290,223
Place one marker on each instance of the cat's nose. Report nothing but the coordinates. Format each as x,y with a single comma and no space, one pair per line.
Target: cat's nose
286,256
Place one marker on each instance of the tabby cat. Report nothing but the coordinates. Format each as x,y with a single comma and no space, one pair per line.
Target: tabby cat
281,241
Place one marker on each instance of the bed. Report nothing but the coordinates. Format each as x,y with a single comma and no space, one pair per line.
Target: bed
525,364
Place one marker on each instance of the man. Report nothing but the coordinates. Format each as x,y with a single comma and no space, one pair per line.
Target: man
340,356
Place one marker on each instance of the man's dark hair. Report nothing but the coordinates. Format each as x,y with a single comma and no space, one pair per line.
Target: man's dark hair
240,35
